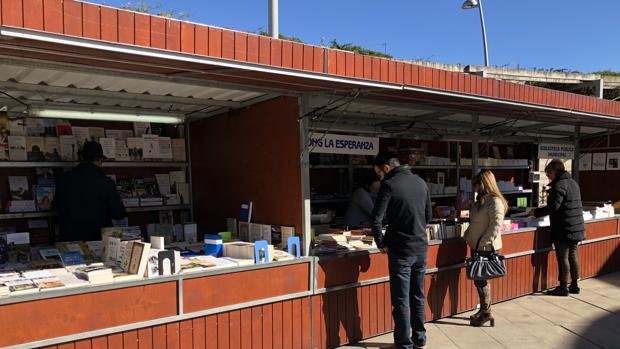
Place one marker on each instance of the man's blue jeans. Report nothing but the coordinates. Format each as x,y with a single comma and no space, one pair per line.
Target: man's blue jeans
408,301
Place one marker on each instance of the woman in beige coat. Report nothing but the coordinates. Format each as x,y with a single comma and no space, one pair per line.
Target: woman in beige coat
487,217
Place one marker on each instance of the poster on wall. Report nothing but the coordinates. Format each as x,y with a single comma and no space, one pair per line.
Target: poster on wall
613,161
585,162
342,144
599,161
556,151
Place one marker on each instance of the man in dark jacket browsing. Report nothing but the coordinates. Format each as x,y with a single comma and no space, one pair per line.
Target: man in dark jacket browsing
565,213
404,202
86,199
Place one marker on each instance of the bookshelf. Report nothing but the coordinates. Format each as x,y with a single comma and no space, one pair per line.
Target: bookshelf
108,164
48,214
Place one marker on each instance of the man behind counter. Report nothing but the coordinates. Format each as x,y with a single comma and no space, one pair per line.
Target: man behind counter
86,199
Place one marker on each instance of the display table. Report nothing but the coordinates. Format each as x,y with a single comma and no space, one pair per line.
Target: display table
316,302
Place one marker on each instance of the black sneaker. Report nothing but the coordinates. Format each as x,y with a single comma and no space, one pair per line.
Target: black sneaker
558,291
574,290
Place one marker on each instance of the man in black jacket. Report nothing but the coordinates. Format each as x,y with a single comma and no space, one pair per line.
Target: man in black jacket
404,201
86,199
565,212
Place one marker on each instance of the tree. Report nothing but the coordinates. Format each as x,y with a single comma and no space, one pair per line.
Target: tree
157,9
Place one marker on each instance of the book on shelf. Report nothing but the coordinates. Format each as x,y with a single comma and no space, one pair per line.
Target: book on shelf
35,148
138,187
48,283
177,177
96,133
265,233
190,233
178,149
63,128
139,258
151,187
165,148
163,263
21,286
141,128
52,149
122,152
17,127
182,190
151,146
67,278
17,148
256,232
135,148
35,127
244,231
108,145
119,135
163,183
68,148
20,188
34,274
246,211
95,274
44,197
81,134
45,177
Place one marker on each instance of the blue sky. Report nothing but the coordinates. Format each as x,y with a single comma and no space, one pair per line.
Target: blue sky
568,34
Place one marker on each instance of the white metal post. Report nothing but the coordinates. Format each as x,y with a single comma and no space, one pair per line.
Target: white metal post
484,34
274,30
305,175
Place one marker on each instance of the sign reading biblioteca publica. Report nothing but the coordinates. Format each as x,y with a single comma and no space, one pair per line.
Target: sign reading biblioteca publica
343,144
556,151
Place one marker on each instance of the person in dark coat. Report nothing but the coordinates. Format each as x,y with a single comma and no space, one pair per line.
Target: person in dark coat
565,212
404,201
86,199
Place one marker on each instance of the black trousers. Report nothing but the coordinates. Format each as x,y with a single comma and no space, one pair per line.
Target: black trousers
568,261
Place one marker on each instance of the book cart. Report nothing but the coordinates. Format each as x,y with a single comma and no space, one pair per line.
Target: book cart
249,106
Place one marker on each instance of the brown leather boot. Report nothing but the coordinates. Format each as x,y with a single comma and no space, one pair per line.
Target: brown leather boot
485,308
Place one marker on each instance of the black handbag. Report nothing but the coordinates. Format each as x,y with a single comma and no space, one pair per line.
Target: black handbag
485,266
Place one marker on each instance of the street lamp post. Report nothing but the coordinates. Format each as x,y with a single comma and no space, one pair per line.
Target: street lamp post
274,30
470,4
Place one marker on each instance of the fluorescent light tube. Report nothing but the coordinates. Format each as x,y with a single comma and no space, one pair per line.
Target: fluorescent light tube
104,115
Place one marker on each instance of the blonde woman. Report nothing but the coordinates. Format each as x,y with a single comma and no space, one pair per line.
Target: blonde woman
484,233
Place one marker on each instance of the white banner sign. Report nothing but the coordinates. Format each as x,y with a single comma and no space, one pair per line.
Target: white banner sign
343,144
556,151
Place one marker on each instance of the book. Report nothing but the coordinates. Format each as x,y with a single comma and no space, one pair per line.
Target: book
109,147
138,187
45,177
177,177
141,128
121,135
35,148
52,149
135,148
68,148
182,190
19,188
34,274
246,211
49,253
163,183
67,278
151,146
178,149
265,233
151,187
190,233
17,127
244,231
144,257
5,127
95,274
44,198
286,232
122,152
256,232
17,148
137,249
63,128
21,286
72,258
165,148
48,283
124,187
96,133
81,134
35,127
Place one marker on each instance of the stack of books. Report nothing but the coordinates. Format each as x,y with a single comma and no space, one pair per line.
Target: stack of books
333,242
95,274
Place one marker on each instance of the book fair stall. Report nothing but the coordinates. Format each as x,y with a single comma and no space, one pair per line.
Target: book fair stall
235,157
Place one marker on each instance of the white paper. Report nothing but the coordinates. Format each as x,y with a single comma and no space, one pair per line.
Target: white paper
177,177
136,148
17,127
68,148
18,238
119,134
81,134
109,147
151,146
52,148
141,128
585,162
96,133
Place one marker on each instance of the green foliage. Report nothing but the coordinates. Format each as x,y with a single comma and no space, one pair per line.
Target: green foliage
608,72
157,9
358,49
282,36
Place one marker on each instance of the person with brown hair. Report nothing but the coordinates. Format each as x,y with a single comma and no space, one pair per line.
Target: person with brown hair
565,212
484,235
